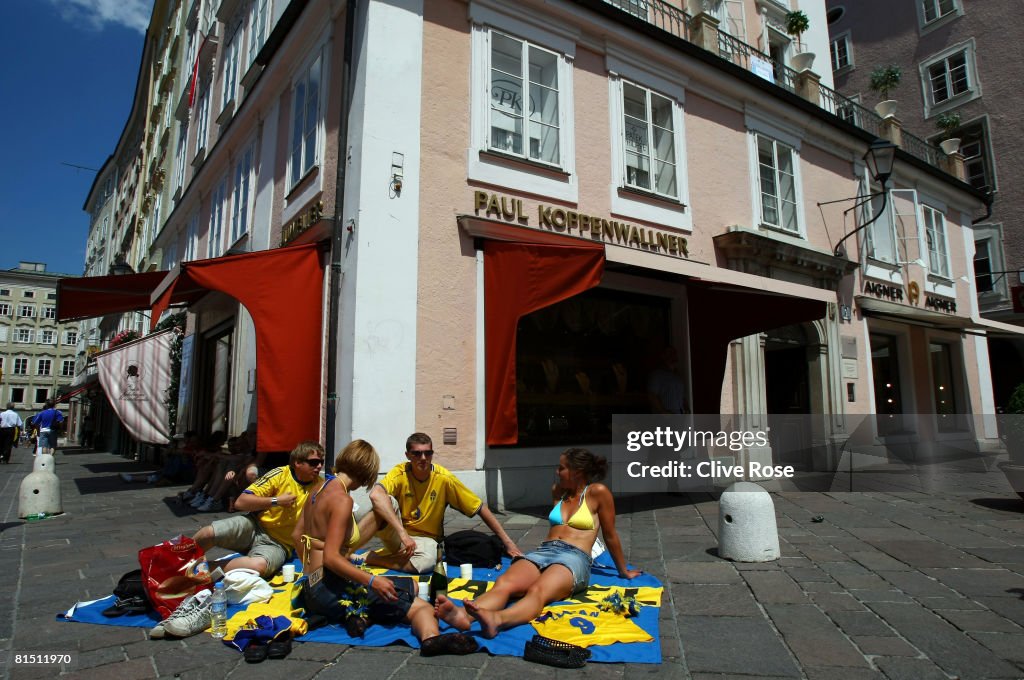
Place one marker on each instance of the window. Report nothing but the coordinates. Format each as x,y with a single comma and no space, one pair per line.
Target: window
71,338
935,234
936,9
649,140
950,76
43,366
983,266
20,366
3,333
67,368
215,244
5,309
29,294
523,75
179,155
775,163
23,335
840,51
5,291
51,296
203,119
42,394
848,111
305,121
635,7
241,204
48,337
191,237
977,152
49,312
18,395
944,386
229,74
880,238
259,22
26,311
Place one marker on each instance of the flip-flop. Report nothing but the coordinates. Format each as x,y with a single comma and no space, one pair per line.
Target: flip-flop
256,652
279,649
449,643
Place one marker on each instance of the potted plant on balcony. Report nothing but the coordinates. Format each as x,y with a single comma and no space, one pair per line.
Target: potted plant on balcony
796,24
948,123
884,80
1011,431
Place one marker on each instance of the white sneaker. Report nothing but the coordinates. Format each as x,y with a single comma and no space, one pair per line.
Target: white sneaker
192,616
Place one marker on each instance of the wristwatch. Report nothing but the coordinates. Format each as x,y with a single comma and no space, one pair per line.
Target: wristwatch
273,502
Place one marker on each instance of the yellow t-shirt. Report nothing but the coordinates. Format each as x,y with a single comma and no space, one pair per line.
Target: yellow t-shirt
422,504
279,521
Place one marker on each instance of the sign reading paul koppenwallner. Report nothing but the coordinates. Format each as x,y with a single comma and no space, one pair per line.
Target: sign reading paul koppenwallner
652,453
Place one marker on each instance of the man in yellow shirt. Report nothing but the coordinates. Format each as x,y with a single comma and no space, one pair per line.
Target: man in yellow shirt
273,503
408,510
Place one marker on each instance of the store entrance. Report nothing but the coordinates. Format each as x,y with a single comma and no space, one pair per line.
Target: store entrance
788,353
214,374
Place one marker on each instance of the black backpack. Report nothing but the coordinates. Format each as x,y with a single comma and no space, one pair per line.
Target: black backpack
473,547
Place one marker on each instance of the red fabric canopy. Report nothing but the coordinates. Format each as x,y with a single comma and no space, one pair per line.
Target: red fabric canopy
520,278
86,297
720,314
283,291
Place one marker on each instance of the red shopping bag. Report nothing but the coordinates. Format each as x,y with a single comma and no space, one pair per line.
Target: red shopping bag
173,570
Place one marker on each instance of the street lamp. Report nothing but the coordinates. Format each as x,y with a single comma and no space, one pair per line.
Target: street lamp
121,268
880,157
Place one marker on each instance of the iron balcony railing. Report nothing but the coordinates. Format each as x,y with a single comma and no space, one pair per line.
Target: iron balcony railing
675,21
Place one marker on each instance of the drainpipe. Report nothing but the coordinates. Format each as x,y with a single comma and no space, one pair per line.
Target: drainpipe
337,234
989,200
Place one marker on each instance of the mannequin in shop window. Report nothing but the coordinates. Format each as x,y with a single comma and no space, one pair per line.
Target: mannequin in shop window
666,389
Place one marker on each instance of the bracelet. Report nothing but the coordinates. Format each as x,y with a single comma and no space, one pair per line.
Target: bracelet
369,584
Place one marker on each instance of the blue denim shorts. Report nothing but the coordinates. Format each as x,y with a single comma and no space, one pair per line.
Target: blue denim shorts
565,554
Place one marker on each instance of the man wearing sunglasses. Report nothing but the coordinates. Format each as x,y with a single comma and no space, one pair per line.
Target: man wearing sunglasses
408,510
272,503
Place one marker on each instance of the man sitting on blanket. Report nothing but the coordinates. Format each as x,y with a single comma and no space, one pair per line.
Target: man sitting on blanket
273,502
420,490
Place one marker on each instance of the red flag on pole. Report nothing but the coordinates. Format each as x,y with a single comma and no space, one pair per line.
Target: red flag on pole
195,74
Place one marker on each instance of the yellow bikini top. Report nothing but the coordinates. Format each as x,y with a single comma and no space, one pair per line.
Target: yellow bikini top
581,519
353,537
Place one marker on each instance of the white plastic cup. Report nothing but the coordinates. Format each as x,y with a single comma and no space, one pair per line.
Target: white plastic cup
288,573
466,571
424,590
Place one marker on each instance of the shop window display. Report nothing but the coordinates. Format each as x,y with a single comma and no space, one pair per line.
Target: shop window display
585,359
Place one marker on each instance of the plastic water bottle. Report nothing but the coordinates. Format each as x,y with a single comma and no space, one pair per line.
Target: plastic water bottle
219,611
36,516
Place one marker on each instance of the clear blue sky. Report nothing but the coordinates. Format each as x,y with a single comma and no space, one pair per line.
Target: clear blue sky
68,78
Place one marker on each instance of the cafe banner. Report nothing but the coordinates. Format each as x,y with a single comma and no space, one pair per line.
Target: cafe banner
135,378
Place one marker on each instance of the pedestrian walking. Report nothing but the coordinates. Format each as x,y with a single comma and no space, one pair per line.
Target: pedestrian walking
10,424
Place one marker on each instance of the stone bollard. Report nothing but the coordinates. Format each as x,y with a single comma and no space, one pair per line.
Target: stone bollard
44,462
746,524
40,490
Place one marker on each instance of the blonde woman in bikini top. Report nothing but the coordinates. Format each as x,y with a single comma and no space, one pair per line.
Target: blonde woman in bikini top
339,590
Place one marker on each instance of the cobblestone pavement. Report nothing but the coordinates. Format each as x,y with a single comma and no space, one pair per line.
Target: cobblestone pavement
896,584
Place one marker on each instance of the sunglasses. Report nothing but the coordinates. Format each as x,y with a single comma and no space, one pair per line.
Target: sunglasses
426,454
314,462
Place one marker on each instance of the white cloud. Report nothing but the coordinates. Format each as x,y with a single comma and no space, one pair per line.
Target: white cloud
97,14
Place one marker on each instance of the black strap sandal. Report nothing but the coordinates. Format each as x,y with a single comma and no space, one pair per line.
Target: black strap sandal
449,643
256,652
279,649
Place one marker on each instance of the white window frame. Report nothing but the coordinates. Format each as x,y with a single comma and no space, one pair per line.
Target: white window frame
70,337
49,312
229,70
26,311
674,211
993,235
65,371
22,363
191,238
926,25
935,238
48,364
242,193
299,147
215,231
47,337
29,294
203,122
483,165
790,140
883,228
259,26
180,151
24,335
5,309
973,91
844,40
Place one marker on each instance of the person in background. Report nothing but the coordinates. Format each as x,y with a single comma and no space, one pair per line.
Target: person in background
666,390
48,422
10,423
561,565
408,510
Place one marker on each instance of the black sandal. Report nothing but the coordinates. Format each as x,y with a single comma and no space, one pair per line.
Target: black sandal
449,643
256,652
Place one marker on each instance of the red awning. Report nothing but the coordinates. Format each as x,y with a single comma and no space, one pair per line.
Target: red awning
282,289
91,296
92,382
520,278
